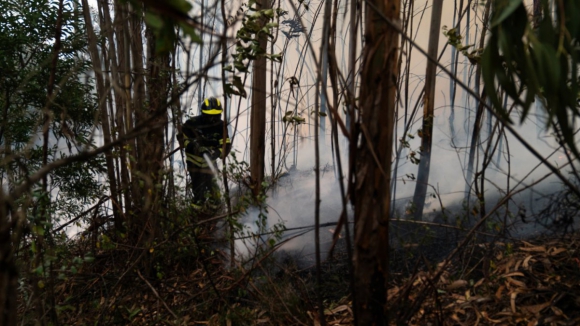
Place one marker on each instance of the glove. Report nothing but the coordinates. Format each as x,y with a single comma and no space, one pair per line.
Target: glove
214,153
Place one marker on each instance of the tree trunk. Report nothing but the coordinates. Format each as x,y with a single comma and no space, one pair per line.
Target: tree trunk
114,65
352,57
147,199
101,92
479,113
428,112
133,115
258,115
372,179
122,33
8,270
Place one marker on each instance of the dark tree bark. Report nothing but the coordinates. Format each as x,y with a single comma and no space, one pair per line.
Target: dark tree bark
371,184
8,270
258,115
147,199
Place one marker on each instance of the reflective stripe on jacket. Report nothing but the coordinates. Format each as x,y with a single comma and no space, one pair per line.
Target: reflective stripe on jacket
202,136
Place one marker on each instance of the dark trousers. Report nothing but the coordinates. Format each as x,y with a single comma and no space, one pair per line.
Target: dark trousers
203,185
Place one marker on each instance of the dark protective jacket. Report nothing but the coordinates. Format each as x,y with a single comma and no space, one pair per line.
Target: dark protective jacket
202,136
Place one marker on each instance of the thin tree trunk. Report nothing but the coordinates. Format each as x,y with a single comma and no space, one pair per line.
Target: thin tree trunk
428,112
8,272
403,96
373,161
454,64
258,114
122,33
199,85
349,99
108,28
478,116
318,137
231,226
134,115
273,105
274,100
324,89
101,92
352,40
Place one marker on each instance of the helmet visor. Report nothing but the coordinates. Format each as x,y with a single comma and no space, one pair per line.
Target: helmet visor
212,111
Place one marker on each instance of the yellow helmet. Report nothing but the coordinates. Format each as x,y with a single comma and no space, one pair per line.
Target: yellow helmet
211,106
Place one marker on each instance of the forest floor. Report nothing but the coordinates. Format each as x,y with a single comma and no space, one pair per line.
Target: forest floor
533,282
516,282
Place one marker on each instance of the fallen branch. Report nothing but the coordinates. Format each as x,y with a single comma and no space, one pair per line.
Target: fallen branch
157,295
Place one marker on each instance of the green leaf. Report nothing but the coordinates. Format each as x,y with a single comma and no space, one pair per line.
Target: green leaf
38,270
153,20
275,57
190,31
165,40
237,82
266,31
268,13
181,5
134,313
553,64
240,66
507,11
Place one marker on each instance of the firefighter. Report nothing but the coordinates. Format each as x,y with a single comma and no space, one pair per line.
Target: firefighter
203,139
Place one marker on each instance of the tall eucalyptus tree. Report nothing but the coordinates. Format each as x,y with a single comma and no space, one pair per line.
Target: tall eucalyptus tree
372,169
258,113
428,111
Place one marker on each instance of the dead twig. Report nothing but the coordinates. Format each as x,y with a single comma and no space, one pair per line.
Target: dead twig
157,295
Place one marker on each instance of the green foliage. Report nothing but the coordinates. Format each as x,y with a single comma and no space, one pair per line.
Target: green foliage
77,179
259,22
27,39
454,39
293,119
412,156
266,236
27,62
529,62
26,53
166,19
